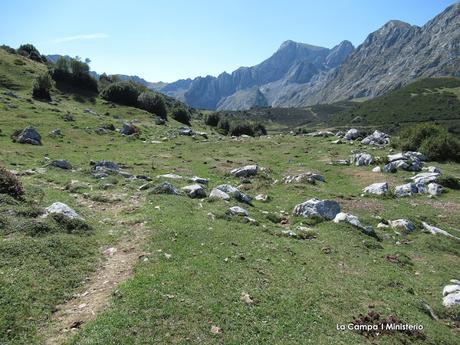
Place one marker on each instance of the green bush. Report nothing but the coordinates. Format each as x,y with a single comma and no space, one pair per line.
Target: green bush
74,72
181,115
223,126
29,51
238,128
9,184
434,141
259,129
42,87
122,92
74,225
448,181
153,103
8,49
212,119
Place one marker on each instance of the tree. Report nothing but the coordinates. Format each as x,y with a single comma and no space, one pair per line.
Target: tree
42,87
181,115
153,102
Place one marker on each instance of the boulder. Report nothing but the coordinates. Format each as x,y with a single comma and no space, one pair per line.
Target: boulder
376,138
165,188
377,170
61,208
451,294
409,161
55,133
218,194
234,192
361,158
28,135
170,176
380,188
323,134
62,164
246,171
425,178
262,197
352,134
434,189
407,189
185,131
199,180
348,218
307,177
432,169
326,209
238,211
194,191
402,223
435,231
128,129
390,167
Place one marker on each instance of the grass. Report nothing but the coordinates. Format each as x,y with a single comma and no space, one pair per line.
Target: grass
301,288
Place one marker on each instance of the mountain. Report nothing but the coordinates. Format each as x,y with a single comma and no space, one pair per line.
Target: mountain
300,74
292,63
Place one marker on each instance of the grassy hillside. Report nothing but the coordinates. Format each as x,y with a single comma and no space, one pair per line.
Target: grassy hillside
194,264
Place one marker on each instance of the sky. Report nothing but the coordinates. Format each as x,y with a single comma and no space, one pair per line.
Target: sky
166,40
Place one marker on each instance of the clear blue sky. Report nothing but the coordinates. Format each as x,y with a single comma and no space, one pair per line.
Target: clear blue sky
171,39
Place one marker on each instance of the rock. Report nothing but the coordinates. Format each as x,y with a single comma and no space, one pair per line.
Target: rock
55,133
451,294
28,135
165,188
348,218
340,162
246,171
101,131
62,164
202,134
128,129
218,194
361,158
185,131
340,134
262,197
327,209
238,211
409,161
432,169
402,223
352,134
304,177
170,176
159,121
323,134
377,188
199,180
376,138
377,170
337,142
234,192
435,231
96,165
194,191
390,168
89,111
434,189
61,208
425,178
407,189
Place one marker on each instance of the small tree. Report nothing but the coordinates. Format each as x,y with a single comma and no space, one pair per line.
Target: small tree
121,92
153,103
42,87
181,115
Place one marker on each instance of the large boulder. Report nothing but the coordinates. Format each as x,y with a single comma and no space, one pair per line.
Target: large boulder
409,161
194,191
246,171
425,177
361,158
28,135
379,188
434,189
407,189
312,208
63,209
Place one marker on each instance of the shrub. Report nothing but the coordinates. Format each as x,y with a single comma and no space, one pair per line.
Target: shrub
8,49
448,182
223,126
71,225
241,128
212,119
434,141
10,184
42,87
181,115
33,227
259,129
122,93
153,103
29,51
74,72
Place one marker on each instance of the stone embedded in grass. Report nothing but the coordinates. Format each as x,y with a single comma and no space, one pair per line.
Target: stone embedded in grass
246,171
28,135
218,194
194,191
434,189
185,131
376,138
326,209
308,177
361,159
101,169
426,177
377,170
402,223
165,188
407,189
63,209
435,231
432,169
56,133
238,211
262,197
380,188
199,180
62,164
170,176
451,294
409,161
323,134
353,220
128,129
234,192
352,134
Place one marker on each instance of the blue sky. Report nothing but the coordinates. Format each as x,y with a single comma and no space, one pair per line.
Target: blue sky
171,39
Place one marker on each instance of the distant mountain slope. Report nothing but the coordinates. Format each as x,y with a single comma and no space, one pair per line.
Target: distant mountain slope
291,63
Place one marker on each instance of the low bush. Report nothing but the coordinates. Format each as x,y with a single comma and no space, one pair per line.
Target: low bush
10,184
153,103
73,72
8,49
181,115
30,52
212,119
448,181
42,87
74,225
223,126
122,92
241,128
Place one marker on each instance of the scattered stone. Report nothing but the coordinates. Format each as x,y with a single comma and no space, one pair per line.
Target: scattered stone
246,298
262,197
199,180
89,111
128,129
102,169
361,159
340,162
185,131
432,169
218,194
165,188
352,134
159,121
170,176
238,211
434,189
246,171
234,192
28,135
434,230
376,138
451,294
62,164
402,223
308,177
353,220
407,189
425,178
327,209
409,161
194,191
377,188
56,133
323,134
61,208
377,170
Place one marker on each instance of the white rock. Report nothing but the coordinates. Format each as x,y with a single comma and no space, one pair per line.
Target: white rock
448,289
380,188
262,197
170,176
425,178
434,189
377,170
402,223
218,194
349,218
238,211
434,230
362,158
405,190
451,299
246,171
327,209
200,180
195,191
61,208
